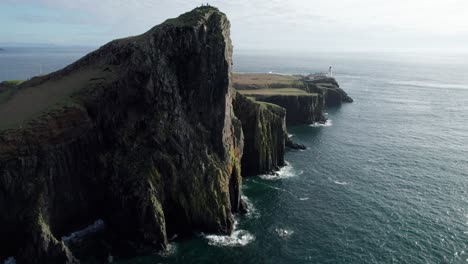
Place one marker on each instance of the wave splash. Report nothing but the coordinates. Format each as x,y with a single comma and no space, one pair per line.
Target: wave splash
338,182
251,210
238,238
284,233
285,172
322,124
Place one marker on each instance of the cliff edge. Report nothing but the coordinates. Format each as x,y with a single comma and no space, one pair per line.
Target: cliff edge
140,133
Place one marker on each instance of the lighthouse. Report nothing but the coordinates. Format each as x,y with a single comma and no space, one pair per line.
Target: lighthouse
330,74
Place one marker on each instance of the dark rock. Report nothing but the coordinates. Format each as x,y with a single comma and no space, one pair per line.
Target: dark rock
330,89
150,145
300,109
264,130
290,144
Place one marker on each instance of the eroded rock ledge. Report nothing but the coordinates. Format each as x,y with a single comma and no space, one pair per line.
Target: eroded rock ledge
264,127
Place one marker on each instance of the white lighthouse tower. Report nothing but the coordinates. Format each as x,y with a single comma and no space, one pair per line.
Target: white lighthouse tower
330,73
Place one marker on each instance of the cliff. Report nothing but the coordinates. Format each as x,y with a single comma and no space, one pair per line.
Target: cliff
304,97
301,108
265,134
140,133
329,87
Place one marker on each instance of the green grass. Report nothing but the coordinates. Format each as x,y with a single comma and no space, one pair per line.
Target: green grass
277,91
11,82
250,81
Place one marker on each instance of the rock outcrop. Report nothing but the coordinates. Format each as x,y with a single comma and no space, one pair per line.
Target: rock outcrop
147,141
300,109
264,127
329,87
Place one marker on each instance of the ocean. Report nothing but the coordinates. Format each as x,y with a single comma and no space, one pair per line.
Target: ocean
385,180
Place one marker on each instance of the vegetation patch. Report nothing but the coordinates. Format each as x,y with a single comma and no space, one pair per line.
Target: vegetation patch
278,91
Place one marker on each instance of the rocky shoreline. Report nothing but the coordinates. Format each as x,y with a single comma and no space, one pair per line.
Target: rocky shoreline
146,134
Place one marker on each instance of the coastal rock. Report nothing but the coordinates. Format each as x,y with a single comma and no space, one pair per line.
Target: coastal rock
146,140
300,109
329,87
264,129
292,145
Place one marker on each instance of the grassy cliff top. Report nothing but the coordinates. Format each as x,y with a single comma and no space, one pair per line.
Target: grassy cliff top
250,81
277,91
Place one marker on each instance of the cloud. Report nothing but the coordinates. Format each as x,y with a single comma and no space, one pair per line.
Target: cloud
275,24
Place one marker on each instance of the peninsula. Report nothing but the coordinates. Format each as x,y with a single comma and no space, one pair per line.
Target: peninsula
146,135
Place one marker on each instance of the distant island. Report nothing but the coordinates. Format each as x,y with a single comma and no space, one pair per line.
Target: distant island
146,138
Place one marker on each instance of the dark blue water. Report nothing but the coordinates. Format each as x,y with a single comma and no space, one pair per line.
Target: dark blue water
386,181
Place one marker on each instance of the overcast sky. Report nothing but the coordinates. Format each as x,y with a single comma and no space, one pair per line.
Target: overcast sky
297,25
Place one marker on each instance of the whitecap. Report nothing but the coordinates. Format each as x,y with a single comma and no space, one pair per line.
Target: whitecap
251,210
284,233
238,238
338,182
322,124
285,172
290,135
304,198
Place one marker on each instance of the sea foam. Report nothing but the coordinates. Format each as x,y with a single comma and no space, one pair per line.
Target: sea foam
285,172
321,124
238,238
251,210
284,233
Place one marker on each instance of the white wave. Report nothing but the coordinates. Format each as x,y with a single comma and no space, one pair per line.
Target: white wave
97,226
169,251
238,238
304,198
320,124
290,135
339,182
285,172
251,210
284,233
10,260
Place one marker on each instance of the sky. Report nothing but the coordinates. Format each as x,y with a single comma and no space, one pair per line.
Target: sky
295,25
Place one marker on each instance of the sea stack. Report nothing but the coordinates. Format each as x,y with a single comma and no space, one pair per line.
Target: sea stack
140,133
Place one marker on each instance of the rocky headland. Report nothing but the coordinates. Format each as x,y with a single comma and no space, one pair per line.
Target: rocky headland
304,99
145,135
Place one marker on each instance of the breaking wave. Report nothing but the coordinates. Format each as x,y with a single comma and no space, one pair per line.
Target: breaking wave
284,233
251,210
338,182
285,172
238,238
321,124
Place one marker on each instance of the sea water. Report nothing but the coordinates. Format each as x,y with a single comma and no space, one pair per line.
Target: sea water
384,181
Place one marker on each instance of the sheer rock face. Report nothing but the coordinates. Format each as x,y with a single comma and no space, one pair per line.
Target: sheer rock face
331,91
264,127
149,144
300,109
